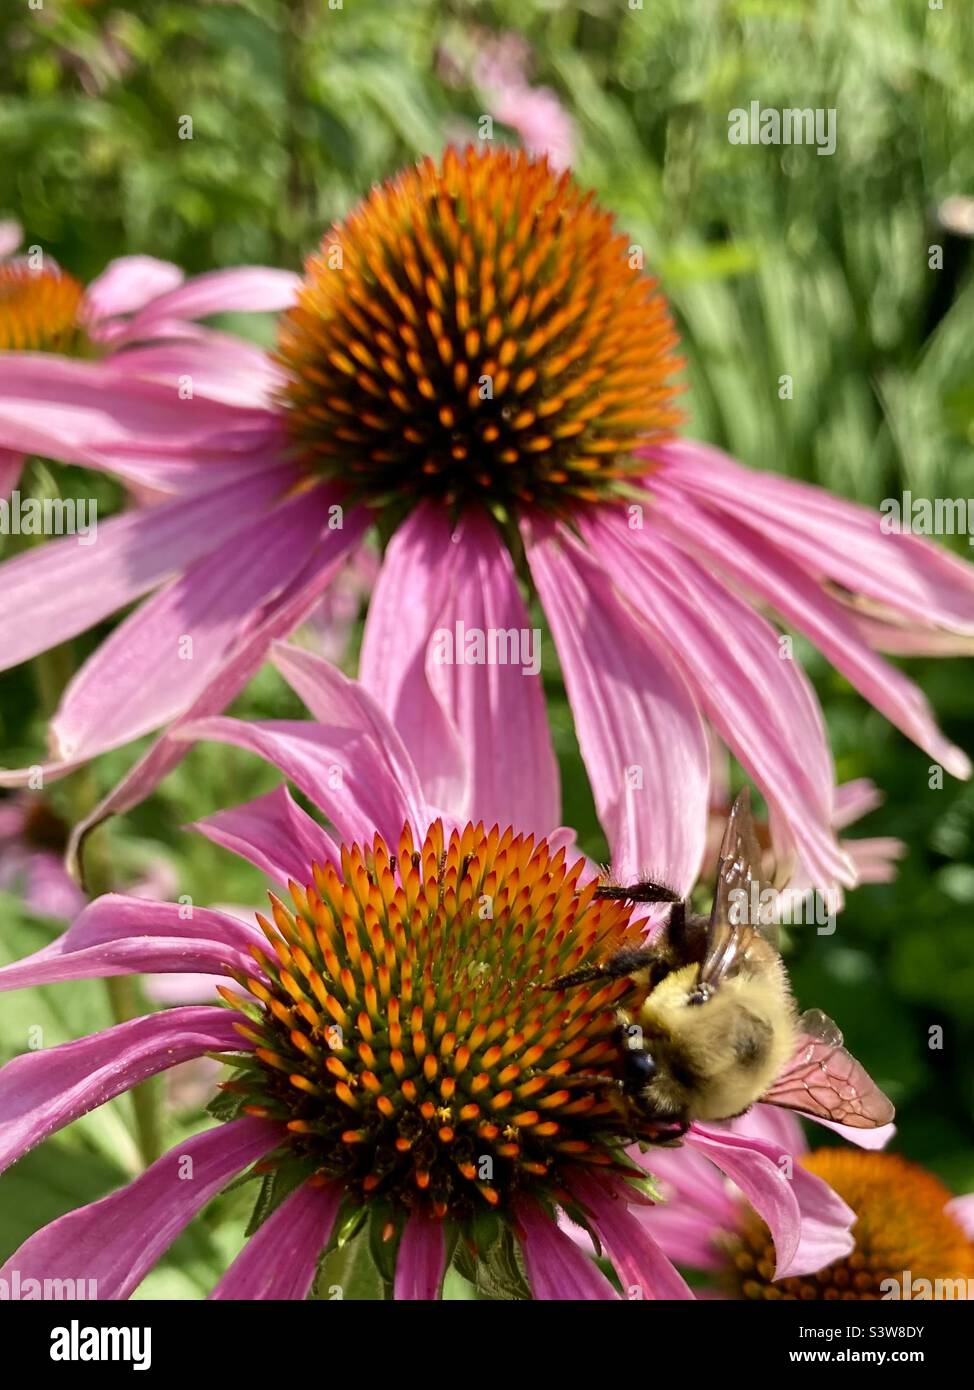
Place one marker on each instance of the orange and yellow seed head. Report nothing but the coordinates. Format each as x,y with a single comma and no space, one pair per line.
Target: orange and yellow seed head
405,1040
477,330
38,309
901,1225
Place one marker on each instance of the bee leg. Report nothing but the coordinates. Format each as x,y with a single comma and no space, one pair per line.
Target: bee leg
646,891
625,962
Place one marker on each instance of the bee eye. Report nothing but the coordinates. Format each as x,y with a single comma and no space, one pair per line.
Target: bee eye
639,1068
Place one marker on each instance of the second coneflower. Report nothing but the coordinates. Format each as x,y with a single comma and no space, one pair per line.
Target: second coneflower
476,359
397,1061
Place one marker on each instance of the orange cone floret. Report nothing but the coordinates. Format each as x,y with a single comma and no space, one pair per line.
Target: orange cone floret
901,1228
38,309
403,1036
477,330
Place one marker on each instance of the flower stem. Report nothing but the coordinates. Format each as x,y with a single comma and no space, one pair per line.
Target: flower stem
125,1006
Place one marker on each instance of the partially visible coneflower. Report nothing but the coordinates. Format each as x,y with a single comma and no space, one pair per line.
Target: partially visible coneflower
476,358
396,1061
127,319
909,1227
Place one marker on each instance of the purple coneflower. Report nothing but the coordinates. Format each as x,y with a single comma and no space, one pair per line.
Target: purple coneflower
476,359
394,1059
910,1230
52,405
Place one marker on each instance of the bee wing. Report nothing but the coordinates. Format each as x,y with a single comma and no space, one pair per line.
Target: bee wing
739,865
824,1080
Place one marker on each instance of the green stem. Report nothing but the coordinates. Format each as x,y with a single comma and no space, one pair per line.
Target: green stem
124,1005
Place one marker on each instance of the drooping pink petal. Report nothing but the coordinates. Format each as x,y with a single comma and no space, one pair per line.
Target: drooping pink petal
74,411
43,1091
809,1223
218,367
54,591
156,662
763,707
641,736
117,1240
643,1269
742,552
497,706
408,596
350,713
125,285
122,935
557,1269
279,1261
11,467
248,288
830,537
697,1208
339,768
286,613
420,1260
274,833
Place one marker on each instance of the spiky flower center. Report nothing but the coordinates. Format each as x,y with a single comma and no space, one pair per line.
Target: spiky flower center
38,309
478,330
403,1035
901,1226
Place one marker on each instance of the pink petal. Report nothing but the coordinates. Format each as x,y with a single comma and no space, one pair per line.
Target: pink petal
117,1240
409,594
831,538
279,1260
697,1208
962,1210
286,613
218,366
557,1269
643,1270
55,591
855,799
339,768
116,935
126,285
242,289
421,1259
74,411
158,660
11,467
43,1091
764,708
350,713
644,745
876,1138
11,235
744,554
274,833
498,710
809,1223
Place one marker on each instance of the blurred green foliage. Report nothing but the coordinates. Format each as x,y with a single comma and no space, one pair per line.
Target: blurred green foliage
776,261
